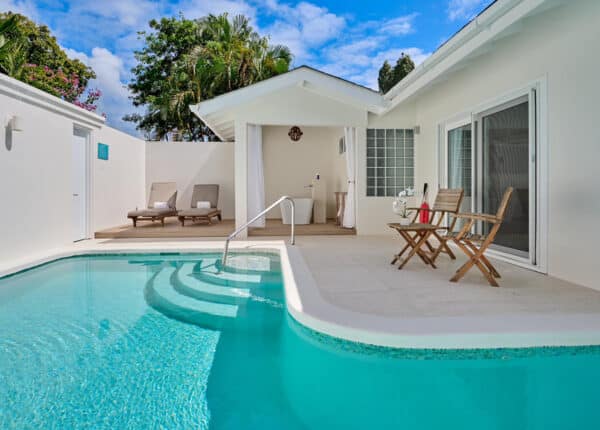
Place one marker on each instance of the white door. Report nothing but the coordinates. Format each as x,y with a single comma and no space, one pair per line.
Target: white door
79,186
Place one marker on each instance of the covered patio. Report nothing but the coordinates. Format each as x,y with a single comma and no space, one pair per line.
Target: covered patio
289,133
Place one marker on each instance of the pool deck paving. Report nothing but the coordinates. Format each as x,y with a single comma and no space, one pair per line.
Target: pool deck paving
345,286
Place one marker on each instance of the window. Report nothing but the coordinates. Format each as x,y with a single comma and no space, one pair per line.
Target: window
390,161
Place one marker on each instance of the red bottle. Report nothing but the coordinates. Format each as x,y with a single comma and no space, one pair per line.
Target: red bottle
424,213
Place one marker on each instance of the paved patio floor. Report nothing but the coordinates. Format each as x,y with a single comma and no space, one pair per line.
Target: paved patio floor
355,273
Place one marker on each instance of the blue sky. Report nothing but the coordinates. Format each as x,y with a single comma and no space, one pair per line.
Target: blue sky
350,39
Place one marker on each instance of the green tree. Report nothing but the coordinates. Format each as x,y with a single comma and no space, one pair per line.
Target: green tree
7,43
389,77
186,61
386,77
30,53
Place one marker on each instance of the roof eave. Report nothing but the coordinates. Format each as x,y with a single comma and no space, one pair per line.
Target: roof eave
481,30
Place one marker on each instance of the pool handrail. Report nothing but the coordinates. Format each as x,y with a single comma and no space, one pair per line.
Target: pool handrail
263,212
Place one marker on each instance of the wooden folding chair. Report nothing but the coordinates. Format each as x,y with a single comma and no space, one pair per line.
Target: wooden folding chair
475,245
416,235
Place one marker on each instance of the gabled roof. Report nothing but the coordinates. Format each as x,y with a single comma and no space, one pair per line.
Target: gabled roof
213,112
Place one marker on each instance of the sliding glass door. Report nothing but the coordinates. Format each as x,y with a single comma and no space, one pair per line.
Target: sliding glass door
505,162
488,152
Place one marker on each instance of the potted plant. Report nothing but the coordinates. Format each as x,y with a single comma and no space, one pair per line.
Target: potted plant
399,207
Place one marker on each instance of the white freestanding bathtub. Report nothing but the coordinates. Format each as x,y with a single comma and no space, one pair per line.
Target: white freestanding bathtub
304,208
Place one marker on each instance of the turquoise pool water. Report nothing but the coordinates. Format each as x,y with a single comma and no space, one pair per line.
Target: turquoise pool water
165,341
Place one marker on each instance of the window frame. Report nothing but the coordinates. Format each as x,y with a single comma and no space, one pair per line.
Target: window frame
380,143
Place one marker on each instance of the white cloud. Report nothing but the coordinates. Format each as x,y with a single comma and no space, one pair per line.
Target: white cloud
192,9
399,26
110,71
122,13
463,9
366,73
359,56
302,27
24,7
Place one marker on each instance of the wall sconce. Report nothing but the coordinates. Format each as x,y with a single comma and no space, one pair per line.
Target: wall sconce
14,123
417,129
295,133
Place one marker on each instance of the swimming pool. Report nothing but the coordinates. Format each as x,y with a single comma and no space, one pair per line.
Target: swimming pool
167,341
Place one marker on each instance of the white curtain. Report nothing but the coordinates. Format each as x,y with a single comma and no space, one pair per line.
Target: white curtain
256,175
349,220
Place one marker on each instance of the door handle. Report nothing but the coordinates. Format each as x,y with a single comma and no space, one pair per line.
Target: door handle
75,195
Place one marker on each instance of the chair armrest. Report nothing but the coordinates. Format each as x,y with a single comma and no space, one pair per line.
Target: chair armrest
478,217
428,209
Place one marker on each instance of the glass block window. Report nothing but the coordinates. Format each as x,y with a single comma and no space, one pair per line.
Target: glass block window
390,161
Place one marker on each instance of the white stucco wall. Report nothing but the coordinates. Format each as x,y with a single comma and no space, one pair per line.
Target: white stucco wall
291,166
193,163
36,172
118,183
557,45
373,213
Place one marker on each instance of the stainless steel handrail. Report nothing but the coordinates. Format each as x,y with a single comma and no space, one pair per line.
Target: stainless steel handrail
239,229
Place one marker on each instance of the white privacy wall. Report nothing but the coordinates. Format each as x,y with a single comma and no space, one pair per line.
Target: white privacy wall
192,163
119,182
571,32
35,172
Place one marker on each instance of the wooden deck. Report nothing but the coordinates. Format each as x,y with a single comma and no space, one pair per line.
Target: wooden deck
173,229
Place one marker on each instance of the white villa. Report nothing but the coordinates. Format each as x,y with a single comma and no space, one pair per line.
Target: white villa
510,100
109,323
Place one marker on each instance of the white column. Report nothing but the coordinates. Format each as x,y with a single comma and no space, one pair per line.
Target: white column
361,177
256,176
241,175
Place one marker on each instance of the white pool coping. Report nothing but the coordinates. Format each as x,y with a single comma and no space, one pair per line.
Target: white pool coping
307,306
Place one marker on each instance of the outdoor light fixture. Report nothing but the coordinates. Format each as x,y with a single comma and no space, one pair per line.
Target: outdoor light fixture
14,123
11,124
295,133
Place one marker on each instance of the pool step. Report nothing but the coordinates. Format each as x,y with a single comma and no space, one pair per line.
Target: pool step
161,295
185,282
210,273
248,264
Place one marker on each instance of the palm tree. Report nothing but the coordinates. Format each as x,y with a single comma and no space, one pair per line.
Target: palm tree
12,56
232,55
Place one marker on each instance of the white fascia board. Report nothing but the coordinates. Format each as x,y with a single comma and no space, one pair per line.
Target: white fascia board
209,124
243,95
27,94
304,77
371,104
480,31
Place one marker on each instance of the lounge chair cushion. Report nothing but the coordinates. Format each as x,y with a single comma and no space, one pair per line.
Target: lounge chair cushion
205,193
152,213
194,212
163,192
